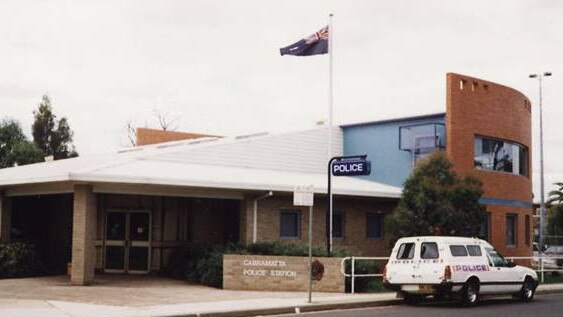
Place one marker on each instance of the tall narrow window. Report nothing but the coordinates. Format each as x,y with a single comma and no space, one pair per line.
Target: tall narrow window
511,227
527,228
484,230
289,224
374,225
338,224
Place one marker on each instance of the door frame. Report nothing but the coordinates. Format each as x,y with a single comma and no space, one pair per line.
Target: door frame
127,243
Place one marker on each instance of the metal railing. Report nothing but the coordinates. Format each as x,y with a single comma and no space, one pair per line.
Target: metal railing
538,263
353,274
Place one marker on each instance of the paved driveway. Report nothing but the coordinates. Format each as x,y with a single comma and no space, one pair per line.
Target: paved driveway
126,290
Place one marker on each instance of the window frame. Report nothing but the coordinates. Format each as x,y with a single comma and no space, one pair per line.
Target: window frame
527,230
526,157
341,213
297,213
429,258
458,246
380,216
487,226
476,246
411,253
515,229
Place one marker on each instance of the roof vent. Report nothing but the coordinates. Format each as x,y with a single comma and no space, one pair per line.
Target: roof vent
49,158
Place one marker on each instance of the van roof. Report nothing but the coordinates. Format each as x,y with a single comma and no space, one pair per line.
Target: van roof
447,239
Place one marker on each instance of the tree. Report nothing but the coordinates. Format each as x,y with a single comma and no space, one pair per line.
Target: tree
555,214
556,196
14,146
164,121
131,133
437,201
52,136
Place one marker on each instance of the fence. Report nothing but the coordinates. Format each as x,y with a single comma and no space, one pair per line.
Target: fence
353,274
540,264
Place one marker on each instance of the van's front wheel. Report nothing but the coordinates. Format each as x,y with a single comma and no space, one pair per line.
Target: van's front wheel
470,292
528,289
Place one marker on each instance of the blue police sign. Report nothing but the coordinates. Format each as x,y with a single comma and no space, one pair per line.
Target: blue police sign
351,167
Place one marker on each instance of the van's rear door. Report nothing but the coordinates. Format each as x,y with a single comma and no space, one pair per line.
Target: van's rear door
429,264
401,263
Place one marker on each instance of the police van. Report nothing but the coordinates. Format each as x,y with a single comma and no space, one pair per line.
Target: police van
461,267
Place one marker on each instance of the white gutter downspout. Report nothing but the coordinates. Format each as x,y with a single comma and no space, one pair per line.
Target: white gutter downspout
255,220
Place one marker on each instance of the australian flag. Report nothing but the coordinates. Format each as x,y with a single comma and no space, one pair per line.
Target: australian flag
312,45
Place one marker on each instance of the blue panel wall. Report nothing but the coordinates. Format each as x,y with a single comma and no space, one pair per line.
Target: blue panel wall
380,141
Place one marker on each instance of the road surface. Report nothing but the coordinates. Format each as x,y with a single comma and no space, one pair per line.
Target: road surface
543,305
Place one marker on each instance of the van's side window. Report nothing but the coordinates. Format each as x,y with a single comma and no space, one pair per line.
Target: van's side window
429,250
458,250
406,251
474,250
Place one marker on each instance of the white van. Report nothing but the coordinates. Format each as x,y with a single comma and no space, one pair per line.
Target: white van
454,266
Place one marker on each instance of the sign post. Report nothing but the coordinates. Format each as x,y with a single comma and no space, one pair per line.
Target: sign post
304,196
352,165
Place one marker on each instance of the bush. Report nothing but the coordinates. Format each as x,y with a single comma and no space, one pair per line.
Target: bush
210,269
18,260
183,263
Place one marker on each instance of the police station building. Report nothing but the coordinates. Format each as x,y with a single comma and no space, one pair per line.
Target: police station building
127,212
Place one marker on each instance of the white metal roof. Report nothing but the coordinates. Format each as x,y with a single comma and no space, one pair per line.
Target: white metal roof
259,162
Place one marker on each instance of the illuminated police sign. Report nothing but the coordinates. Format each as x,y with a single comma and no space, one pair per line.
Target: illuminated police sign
351,168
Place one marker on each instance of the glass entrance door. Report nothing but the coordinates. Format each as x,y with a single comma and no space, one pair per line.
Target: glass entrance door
127,241
138,247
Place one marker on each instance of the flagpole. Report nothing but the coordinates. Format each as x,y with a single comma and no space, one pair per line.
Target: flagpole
330,38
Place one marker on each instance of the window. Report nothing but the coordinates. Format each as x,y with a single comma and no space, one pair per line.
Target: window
474,250
338,224
527,229
511,226
500,155
290,224
496,259
374,225
458,250
406,251
429,250
422,139
485,228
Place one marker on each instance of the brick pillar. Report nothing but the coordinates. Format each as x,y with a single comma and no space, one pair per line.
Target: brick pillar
247,219
83,235
5,217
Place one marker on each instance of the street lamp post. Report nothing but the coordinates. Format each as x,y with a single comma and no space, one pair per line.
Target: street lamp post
540,76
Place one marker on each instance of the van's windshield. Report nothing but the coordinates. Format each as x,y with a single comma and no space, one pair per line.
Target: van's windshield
496,258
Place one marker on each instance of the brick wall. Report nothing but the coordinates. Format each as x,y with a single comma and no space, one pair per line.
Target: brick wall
279,273
145,136
354,210
478,107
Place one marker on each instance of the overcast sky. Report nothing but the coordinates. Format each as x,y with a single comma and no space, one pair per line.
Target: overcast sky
216,65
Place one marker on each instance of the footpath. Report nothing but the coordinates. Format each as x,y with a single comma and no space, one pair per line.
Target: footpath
219,307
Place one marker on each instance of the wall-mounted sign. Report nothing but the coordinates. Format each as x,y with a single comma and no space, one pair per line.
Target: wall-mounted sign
351,167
